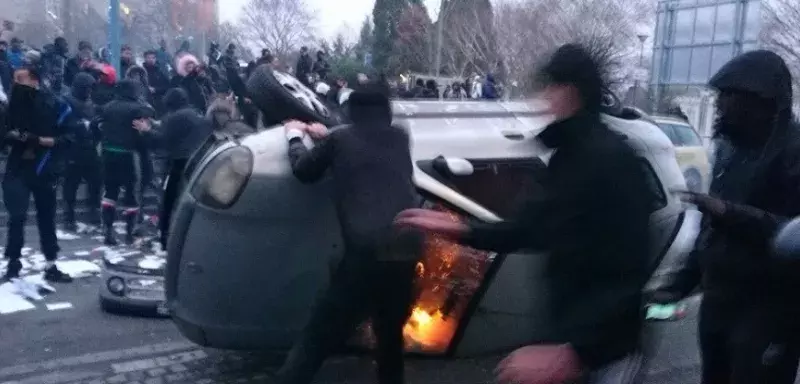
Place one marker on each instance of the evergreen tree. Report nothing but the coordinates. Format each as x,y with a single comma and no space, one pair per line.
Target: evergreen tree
385,15
364,45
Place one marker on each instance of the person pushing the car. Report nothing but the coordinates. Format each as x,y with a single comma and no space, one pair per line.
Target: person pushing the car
372,171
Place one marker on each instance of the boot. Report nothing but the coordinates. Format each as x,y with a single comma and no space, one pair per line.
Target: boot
109,215
130,226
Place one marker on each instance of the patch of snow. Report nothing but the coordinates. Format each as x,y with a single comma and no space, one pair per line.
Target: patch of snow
66,236
78,268
152,262
11,302
58,306
82,253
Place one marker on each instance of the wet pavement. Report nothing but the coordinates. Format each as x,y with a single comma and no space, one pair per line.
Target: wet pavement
78,343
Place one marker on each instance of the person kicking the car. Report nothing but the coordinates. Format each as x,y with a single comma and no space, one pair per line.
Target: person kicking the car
372,172
592,217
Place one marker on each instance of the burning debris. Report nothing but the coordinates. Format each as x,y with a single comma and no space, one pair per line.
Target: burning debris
448,276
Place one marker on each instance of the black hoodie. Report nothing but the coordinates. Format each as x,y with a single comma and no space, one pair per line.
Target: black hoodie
85,128
183,129
371,166
761,183
118,116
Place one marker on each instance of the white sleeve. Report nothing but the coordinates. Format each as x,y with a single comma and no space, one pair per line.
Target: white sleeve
3,97
294,134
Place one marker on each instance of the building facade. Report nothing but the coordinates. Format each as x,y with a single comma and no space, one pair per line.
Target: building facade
692,40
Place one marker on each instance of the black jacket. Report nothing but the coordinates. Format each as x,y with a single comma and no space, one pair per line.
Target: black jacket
372,173
183,129
732,258
84,127
117,118
6,75
304,66
38,114
592,217
195,88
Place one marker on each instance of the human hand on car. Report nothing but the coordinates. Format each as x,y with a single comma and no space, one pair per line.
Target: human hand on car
431,221
540,364
705,203
317,131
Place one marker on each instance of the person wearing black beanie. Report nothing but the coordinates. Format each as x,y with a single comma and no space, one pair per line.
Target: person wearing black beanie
370,162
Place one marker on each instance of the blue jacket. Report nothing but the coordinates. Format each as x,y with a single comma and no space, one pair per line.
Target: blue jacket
489,91
16,59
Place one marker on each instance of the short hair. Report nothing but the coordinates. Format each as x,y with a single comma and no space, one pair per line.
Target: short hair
32,70
149,52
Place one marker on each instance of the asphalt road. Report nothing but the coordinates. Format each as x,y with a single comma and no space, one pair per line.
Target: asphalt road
82,344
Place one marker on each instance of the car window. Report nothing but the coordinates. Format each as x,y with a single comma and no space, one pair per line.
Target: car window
670,132
500,186
654,186
687,136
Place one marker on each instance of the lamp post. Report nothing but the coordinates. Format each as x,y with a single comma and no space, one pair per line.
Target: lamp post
114,34
642,39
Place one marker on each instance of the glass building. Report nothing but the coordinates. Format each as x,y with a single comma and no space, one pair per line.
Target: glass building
694,38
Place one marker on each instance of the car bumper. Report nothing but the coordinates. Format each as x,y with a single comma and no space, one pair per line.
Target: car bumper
142,292
678,253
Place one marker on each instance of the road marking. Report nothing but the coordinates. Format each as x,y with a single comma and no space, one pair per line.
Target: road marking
158,362
97,357
58,306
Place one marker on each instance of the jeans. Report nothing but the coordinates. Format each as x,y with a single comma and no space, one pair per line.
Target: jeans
18,186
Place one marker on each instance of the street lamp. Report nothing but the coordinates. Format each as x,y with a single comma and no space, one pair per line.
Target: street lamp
642,39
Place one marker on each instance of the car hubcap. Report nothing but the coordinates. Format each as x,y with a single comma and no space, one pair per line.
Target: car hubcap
301,92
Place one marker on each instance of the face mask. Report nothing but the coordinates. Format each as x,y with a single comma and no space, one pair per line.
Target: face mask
22,94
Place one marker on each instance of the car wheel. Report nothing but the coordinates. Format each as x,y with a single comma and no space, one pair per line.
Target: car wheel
694,182
280,97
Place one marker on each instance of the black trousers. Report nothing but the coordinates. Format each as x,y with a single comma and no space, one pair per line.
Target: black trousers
121,173
84,167
747,344
361,289
172,191
18,186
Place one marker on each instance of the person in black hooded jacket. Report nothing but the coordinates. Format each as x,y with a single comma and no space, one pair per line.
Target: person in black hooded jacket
123,121
749,328
592,217
83,161
182,131
372,172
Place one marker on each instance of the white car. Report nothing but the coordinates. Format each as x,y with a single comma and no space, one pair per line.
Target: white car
251,247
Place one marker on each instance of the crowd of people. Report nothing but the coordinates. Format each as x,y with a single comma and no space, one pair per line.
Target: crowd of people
74,115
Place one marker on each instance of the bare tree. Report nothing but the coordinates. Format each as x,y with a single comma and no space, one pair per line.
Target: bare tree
230,33
278,25
469,39
781,32
528,31
411,47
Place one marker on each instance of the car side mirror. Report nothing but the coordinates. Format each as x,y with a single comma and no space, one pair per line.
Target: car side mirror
787,242
452,166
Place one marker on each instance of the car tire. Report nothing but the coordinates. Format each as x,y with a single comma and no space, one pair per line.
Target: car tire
280,97
694,182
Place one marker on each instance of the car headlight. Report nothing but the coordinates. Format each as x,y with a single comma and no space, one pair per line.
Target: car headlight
222,181
116,286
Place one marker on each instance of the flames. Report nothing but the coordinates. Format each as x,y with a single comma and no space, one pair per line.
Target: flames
448,275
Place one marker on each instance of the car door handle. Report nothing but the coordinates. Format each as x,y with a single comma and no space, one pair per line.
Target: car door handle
513,135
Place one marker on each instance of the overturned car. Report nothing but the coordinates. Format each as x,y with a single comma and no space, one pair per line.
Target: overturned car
251,247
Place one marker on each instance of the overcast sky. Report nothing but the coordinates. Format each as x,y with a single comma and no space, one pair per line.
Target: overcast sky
334,16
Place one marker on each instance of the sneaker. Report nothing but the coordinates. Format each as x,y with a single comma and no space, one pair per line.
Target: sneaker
110,239
12,270
54,275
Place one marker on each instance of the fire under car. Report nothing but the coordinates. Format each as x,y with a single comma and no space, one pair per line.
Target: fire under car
251,247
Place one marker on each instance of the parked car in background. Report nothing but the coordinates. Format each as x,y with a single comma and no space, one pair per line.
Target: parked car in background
690,152
251,247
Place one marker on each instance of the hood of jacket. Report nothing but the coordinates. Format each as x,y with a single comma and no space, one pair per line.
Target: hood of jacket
82,86
126,90
136,72
182,61
760,85
175,99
